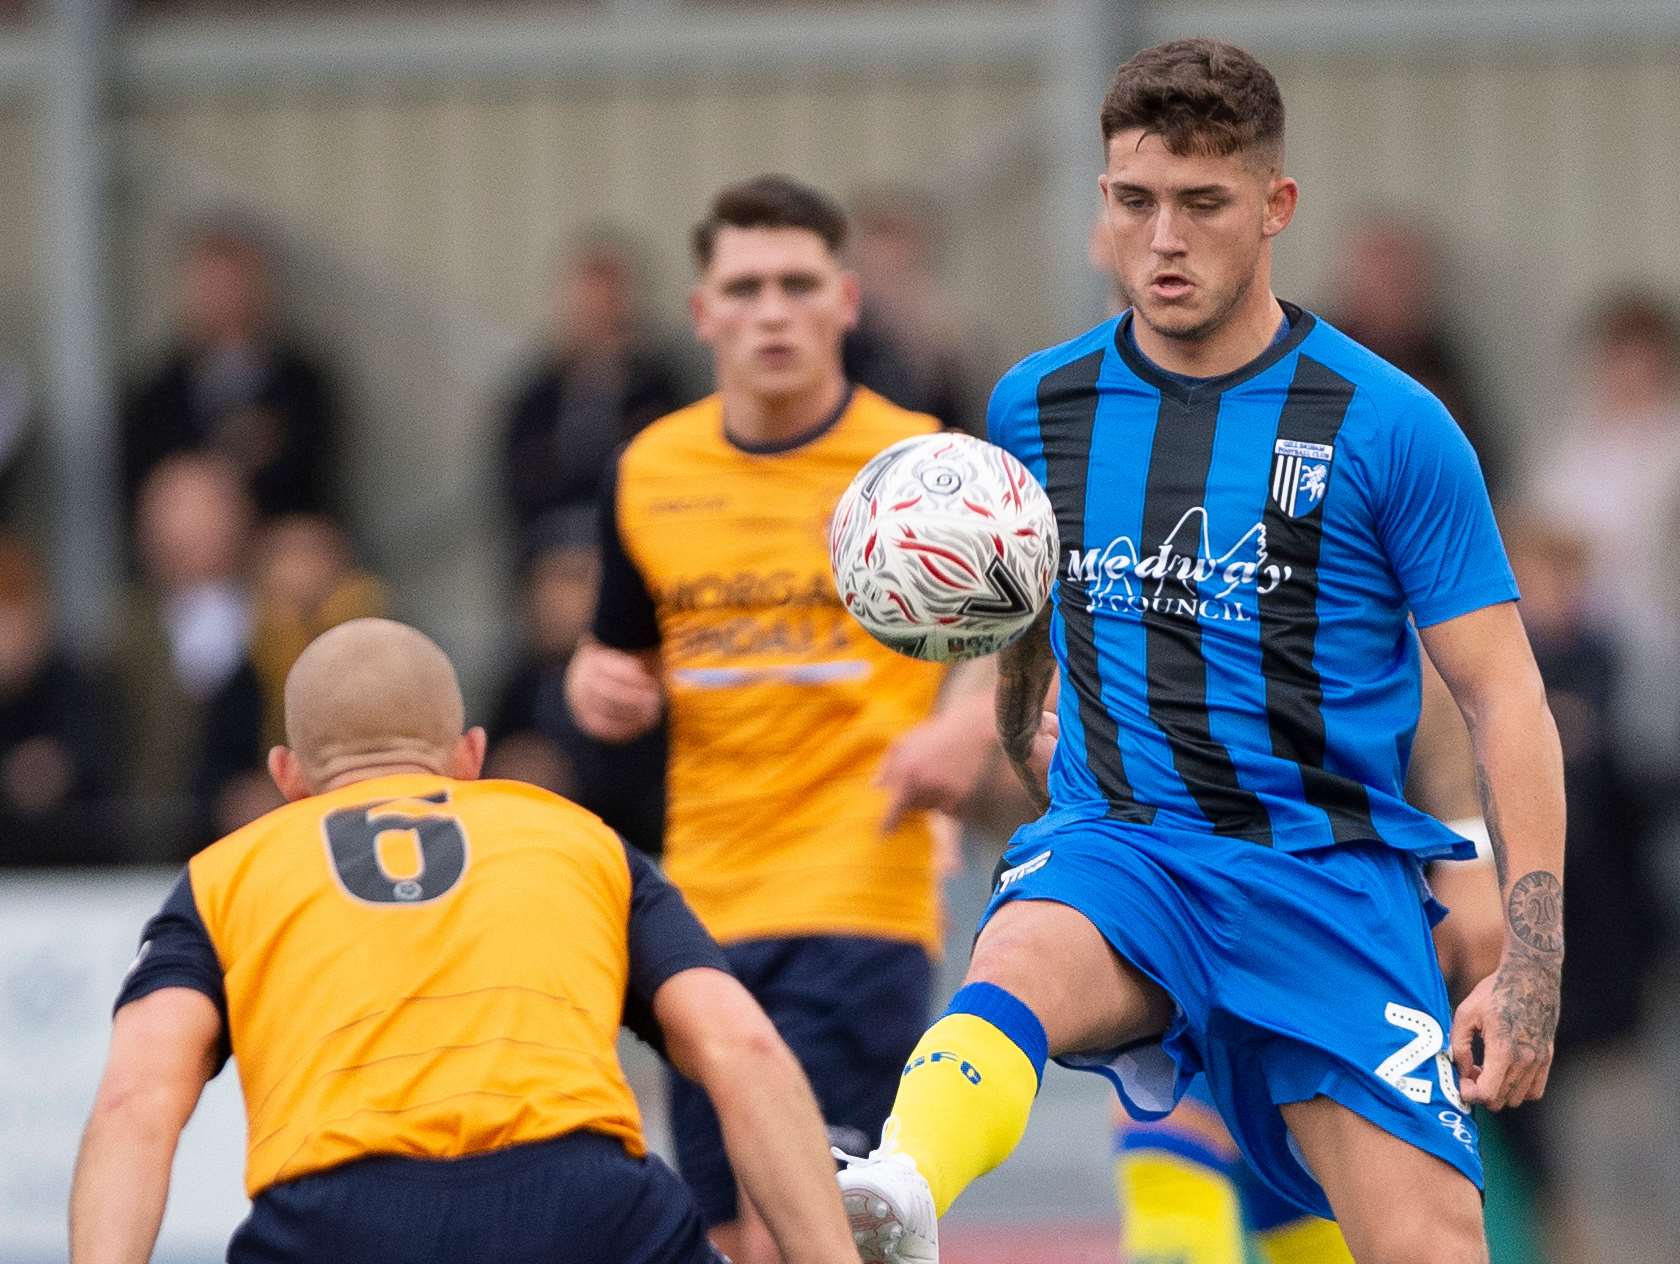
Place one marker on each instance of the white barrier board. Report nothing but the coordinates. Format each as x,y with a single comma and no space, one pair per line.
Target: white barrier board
65,941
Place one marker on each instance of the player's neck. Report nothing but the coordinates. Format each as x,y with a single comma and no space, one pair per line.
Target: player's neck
753,421
1243,335
336,778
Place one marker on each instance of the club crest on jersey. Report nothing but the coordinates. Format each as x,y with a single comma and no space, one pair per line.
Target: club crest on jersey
1300,475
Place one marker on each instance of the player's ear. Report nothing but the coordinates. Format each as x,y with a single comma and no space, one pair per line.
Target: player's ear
1281,199
466,761
698,314
851,297
286,769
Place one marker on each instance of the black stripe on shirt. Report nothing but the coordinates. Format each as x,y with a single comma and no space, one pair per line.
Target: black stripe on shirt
1313,412
1179,462
176,951
665,938
626,616
1067,415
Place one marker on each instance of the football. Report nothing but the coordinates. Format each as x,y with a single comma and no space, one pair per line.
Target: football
944,547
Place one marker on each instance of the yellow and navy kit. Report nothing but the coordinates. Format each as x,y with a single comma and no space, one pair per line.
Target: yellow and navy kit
780,705
418,966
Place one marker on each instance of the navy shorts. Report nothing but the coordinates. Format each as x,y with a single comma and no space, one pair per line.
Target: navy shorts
578,1199
1295,975
851,1009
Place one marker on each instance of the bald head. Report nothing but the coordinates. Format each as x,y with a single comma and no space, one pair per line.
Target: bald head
372,696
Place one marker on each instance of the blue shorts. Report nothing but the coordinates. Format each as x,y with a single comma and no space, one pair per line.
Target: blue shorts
578,1199
851,1008
1294,975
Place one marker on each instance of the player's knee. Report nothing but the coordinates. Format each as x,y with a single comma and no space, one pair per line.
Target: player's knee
1015,944
1002,962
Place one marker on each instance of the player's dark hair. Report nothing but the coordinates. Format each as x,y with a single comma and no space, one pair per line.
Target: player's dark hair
1200,96
770,202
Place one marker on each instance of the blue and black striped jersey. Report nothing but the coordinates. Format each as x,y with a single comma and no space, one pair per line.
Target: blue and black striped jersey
1241,558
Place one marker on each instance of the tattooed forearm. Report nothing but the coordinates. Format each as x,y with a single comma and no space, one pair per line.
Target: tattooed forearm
1490,818
1525,999
1024,672
1535,912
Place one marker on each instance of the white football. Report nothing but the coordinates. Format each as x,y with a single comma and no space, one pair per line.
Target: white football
944,547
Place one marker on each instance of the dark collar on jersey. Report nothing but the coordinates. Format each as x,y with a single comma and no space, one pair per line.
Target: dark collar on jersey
776,446
1176,385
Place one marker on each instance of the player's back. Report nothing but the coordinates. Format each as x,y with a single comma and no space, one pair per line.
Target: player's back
420,966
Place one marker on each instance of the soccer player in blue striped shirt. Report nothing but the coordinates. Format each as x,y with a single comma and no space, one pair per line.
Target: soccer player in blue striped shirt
1254,511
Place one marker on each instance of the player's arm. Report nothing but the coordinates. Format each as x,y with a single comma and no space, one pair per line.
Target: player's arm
163,1051
939,765
1026,731
1442,782
168,1038
683,999
613,683
717,1035
1484,657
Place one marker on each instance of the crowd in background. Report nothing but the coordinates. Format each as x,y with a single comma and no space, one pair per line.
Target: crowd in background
236,557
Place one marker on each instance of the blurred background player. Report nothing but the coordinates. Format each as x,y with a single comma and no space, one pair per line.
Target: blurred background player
424,1012
716,603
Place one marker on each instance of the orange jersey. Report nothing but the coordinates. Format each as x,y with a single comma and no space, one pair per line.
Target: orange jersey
781,706
419,966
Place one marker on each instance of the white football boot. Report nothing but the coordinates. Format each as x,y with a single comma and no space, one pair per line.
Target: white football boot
890,1209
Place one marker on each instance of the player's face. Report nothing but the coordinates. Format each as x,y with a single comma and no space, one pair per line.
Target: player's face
774,306
1190,232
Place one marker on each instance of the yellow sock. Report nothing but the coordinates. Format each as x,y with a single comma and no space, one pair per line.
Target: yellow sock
1308,1240
966,1091
1177,1211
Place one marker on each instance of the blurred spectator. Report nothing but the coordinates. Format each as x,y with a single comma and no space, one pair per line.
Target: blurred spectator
909,344
16,439
1610,922
532,734
306,582
1388,296
192,697
234,385
1612,475
603,377
56,750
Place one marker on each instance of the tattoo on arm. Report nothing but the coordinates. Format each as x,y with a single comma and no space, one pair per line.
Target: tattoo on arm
1526,991
1535,911
1024,671
1490,818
